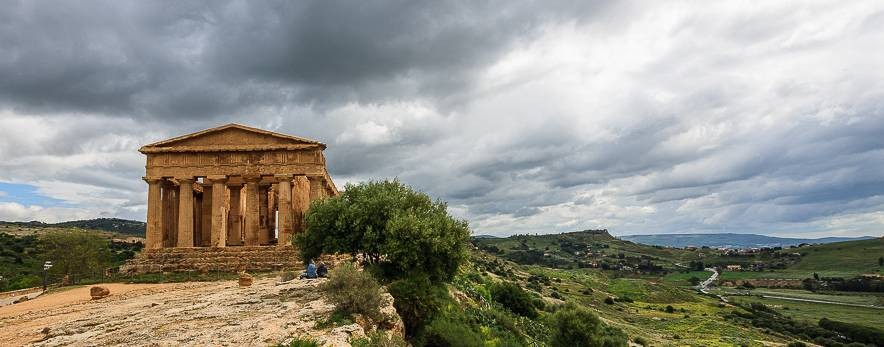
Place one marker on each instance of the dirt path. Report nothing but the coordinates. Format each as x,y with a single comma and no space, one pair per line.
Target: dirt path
68,296
194,313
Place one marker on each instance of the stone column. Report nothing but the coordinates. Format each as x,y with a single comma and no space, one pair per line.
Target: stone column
285,209
252,217
263,216
316,188
271,211
206,215
170,214
154,234
218,235
234,226
185,212
300,203
197,219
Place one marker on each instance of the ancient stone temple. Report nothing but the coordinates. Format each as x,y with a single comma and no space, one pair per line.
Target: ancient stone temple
231,190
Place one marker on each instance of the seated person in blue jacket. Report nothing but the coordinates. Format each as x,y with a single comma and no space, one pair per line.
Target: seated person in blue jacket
311,271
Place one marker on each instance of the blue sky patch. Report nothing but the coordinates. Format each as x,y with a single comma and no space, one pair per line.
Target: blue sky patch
26,194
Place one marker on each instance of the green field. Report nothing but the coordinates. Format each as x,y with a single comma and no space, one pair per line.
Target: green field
813,312
681,278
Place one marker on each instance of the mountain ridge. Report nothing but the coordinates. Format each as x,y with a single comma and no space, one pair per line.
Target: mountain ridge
731,240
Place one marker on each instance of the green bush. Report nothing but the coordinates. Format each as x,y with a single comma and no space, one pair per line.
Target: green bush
640,341
353,291
609,300
514,298
389,224
854,332
445,332
575,326
417,301
796,344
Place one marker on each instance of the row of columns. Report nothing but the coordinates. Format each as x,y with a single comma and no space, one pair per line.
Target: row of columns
219,216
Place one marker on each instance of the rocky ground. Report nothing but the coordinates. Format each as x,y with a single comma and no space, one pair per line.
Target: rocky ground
195,313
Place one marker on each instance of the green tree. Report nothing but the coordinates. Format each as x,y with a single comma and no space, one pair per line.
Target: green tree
76,253
575,326
391,225
417,301
880,261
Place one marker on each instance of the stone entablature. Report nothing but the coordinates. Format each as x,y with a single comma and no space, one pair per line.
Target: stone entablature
224,187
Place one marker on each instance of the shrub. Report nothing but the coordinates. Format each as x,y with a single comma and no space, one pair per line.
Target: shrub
640,340
670,309
445,332
854,332
796,344
575,326
514,298
389,224
354,291
609,300
417,301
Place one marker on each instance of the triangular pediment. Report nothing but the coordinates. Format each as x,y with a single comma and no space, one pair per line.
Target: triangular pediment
231,136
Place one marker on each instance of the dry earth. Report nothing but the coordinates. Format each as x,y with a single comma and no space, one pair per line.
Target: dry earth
194,313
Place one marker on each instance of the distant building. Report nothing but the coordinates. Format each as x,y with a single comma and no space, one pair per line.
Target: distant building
734,268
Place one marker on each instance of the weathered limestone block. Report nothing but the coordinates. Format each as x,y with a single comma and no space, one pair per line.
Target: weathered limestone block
98,292
245,279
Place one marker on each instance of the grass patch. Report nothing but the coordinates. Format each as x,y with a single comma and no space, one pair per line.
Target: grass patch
336,319
811,312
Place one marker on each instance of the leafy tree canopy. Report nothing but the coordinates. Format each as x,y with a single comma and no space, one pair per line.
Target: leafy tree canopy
390,224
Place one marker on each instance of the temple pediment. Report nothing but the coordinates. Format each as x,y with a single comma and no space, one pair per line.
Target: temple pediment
231,137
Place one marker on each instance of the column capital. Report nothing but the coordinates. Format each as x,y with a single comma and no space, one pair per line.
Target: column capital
216,178
251,178
284,176
184,180
152,179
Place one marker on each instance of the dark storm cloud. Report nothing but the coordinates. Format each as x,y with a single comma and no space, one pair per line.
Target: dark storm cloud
206,60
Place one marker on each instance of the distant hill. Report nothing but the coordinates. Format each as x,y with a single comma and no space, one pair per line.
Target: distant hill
582,249
123,226
730,240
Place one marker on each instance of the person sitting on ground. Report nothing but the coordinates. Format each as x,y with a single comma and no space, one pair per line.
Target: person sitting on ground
322,270
311,270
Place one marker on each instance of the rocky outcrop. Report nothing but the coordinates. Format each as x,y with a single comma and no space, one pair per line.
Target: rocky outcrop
195,313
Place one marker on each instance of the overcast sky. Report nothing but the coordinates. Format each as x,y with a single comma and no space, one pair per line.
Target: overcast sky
527,117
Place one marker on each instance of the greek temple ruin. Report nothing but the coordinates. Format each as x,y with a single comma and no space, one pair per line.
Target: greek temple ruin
226,188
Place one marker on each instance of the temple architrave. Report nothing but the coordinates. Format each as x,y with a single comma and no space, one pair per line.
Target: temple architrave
232,186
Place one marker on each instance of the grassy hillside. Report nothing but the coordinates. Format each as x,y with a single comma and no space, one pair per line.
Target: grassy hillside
589,248
121,227
638,306
662,308
842,259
